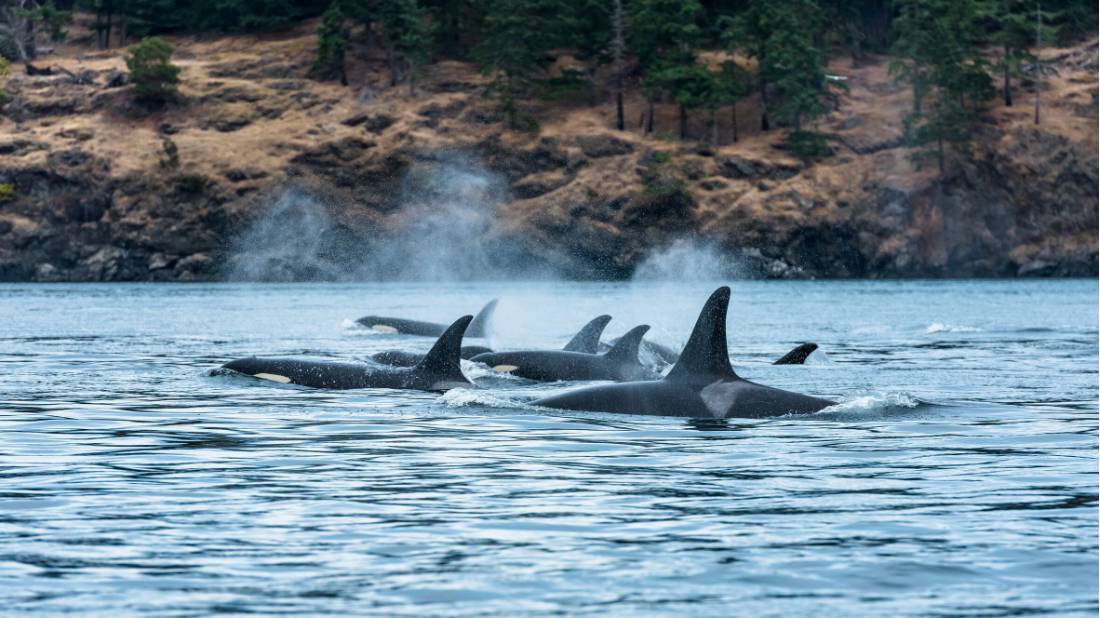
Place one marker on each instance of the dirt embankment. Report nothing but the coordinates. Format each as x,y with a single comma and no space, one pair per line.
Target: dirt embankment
105,191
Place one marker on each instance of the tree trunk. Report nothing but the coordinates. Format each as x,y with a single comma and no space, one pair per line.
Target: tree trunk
939,151
733,119
764,126
618,44
714,126
683,122
1008,80
649,118
107,28
1038,67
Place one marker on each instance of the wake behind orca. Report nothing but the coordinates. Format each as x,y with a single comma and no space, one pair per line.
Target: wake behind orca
438,371
479,327
702,384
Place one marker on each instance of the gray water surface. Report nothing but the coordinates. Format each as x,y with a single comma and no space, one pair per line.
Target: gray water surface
957,477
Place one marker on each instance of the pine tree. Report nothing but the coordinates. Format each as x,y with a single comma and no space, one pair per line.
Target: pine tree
618,50
151,70
664,35
332,43
516,36
954,74
407,38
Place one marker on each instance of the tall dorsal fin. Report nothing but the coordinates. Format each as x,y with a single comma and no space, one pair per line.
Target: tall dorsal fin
798,355
626,350
705,357
480,326
587,339
442,361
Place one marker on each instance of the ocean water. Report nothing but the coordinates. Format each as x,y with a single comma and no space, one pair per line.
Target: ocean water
957,477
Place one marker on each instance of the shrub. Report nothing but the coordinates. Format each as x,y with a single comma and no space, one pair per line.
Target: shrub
154,76
5,67
7,192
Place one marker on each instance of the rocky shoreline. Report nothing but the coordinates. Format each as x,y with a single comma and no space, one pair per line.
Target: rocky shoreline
102,191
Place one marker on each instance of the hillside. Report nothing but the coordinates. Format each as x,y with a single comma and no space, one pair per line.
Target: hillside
97,195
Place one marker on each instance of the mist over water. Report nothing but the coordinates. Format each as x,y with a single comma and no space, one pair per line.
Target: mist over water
690,260
285,244
448,227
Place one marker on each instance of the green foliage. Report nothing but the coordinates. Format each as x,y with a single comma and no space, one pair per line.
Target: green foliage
517,35
52,19
154,76
807,144
332,44
660,180
408,37
939,51
781,38
7,192
171,158
5,68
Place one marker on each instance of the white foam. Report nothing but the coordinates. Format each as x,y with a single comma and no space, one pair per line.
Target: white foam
461,397
940,327
875,402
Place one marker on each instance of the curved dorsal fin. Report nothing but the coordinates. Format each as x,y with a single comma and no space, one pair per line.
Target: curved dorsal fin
442,361
798,355
706,357
626,349
480,326
587,339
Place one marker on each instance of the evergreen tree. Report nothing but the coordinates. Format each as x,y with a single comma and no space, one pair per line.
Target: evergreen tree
151,70
1015,36
956,74
407,38
332,43
664,35
516,36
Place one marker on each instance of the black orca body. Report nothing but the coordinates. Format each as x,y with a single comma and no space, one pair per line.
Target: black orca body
438,371
586,340
702,384
619,363
478,328
401,358
798,355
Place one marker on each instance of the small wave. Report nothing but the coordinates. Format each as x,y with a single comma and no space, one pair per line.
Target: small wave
940,327
873,403
462,397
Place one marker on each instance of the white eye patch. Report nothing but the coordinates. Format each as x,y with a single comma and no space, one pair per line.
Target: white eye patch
506,368
382,328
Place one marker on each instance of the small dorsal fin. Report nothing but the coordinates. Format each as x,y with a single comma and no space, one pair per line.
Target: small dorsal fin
798,355
705,357
587,339
480,326
442,361
626,350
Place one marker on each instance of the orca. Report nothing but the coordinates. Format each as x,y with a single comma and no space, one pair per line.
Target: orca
586,340
438,371
402,358
798,355
619,363
478,328
702,384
